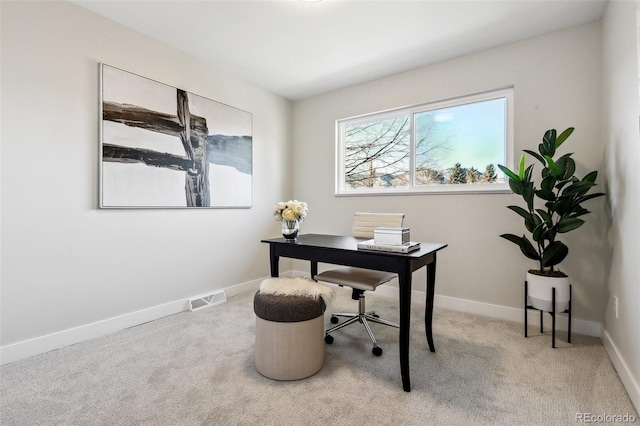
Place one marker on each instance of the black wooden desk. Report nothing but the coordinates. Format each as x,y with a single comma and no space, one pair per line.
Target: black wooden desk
342,250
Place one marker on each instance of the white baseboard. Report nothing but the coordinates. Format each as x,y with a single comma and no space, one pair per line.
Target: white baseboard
589,328
630,383
38,345
49,342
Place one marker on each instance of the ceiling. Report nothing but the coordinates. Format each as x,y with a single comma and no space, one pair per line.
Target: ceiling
299,49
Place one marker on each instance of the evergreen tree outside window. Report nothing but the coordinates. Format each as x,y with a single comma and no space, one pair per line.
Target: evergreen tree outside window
445,146
473,175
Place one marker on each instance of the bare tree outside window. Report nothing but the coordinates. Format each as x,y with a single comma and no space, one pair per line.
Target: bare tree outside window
377,153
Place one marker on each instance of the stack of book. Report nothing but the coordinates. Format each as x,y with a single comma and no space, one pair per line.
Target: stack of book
395,240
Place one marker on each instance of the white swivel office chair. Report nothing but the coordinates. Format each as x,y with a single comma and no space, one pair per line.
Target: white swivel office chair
361,280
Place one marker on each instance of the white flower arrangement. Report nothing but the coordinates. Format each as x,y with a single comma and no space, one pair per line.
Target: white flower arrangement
291,210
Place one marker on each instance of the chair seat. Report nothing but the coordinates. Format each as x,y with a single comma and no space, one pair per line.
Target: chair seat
361,279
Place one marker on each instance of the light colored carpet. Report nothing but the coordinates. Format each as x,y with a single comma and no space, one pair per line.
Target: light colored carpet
197,368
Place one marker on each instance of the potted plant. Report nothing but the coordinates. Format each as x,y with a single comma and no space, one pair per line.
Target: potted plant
551,209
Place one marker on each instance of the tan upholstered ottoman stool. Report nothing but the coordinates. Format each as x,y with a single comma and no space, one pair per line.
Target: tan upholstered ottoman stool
290,327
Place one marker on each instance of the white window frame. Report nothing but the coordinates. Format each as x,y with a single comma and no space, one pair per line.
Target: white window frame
498,187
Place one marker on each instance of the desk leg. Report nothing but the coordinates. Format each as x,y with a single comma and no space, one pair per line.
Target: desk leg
428,317
274,261
314,269
404,278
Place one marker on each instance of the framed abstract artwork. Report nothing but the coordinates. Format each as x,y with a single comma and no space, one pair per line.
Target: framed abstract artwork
163,147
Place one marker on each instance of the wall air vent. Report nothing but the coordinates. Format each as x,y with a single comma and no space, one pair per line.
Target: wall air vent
206,300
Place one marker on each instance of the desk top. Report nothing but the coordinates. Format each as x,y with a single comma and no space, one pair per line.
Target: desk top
340,242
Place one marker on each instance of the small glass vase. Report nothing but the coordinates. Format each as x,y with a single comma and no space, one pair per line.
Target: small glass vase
290,229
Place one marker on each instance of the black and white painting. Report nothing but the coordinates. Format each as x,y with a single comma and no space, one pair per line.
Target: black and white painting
165,147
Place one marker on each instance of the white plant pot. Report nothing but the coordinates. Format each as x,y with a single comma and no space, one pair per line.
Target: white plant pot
540,292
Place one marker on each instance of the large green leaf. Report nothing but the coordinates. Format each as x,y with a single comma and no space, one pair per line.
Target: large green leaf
539,232
545,216
548,182
528,173
582,199
563,136
554,253
549,143
521,167
522,212
569,224
542,149
570,169
553,167
535,154
579,188
549,137
546,194
591,177
516,186
509,173
525,245
566,166
564,206
528,194
579,211
544,173
533,224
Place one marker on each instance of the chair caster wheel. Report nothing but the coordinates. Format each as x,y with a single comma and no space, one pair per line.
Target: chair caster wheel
334,320
328,339
377,351
375,315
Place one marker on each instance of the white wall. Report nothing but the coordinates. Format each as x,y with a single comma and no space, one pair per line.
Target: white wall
557,85
621,113
65,263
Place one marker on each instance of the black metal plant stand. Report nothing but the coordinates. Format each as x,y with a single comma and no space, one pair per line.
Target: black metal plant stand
552,313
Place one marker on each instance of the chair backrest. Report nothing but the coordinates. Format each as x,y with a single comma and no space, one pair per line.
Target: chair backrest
365,223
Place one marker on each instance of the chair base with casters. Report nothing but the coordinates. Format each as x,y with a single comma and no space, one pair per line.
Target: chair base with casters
360,280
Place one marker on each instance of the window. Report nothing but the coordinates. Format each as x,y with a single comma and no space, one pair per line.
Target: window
447,146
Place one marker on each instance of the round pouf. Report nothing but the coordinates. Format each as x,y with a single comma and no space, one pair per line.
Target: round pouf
289,335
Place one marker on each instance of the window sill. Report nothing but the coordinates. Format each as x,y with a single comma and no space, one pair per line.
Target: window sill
474,189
